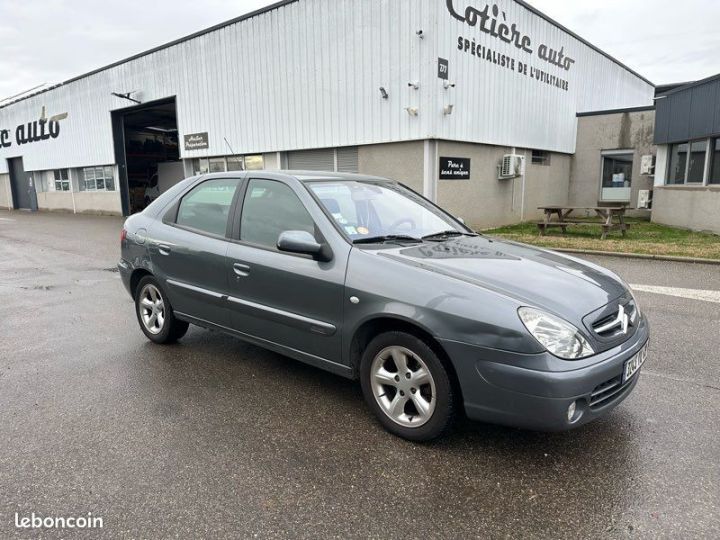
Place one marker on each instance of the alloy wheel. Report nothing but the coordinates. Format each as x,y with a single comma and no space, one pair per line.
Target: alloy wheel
403,386
152,308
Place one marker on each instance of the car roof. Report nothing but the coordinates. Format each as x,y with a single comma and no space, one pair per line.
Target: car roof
302,176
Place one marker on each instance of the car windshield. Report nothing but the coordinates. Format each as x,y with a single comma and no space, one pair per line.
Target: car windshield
366,210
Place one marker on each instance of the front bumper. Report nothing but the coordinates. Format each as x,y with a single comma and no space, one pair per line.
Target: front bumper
534,391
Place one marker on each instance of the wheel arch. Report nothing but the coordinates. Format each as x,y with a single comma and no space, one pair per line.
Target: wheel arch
135,278
382,324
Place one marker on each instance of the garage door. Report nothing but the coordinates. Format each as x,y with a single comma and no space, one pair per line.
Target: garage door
325,159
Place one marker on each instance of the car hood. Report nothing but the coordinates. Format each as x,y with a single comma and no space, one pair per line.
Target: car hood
535,277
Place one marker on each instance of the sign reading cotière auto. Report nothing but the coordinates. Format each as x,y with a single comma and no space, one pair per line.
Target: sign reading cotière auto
454,168
35,131
196,141
493,22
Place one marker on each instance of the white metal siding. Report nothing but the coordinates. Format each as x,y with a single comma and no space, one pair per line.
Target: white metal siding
307,75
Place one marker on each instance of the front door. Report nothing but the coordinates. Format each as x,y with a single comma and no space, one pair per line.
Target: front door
188,250
287,299
20,184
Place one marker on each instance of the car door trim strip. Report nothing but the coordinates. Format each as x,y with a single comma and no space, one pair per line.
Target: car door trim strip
286,317
195,289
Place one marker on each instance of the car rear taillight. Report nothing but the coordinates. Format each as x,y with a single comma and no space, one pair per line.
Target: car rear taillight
123,235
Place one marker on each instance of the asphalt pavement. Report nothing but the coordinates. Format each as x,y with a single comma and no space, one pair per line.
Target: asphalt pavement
215,438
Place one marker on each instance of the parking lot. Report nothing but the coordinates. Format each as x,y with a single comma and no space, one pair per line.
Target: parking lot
216,438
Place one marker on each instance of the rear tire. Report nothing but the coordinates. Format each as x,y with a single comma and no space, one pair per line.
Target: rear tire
155,314
407,386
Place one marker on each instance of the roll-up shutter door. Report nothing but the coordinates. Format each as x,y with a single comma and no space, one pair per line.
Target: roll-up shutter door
347,159
312,160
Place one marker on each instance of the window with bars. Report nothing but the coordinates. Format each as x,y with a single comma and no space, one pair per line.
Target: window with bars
97,179
62,180
540,157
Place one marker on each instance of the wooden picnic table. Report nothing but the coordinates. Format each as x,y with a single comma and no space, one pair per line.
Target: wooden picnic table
611,218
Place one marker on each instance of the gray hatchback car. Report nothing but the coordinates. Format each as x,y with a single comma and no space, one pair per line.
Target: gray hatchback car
365,278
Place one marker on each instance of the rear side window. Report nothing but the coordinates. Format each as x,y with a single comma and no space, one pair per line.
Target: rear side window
207,206
270,208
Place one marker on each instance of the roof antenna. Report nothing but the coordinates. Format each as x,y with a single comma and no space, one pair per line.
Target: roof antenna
230,147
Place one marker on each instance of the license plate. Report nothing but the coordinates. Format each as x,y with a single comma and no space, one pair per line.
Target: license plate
634,363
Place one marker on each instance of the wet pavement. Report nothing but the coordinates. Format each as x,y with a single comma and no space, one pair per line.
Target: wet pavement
215,438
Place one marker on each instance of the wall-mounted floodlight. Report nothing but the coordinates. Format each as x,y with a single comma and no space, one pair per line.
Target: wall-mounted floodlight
420,34
412,111
383,93
448,109
448,84
414,84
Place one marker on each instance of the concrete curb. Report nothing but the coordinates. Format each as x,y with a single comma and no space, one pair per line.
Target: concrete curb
696,260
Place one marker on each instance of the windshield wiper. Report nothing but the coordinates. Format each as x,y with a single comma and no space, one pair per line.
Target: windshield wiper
386,238
445,234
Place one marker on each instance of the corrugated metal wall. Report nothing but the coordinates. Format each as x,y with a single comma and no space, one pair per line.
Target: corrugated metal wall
307,75
689,113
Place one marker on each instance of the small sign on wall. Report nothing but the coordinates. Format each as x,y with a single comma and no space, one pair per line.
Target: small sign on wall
454,168
196,141
443,68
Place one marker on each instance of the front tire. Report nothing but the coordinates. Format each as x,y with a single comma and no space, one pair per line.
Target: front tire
407,386
155,314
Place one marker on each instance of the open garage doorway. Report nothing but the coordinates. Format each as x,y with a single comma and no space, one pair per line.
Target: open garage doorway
147,152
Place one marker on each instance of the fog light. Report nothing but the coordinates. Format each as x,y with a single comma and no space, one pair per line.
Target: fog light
571,411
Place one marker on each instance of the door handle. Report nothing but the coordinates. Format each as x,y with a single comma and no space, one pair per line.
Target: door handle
242,270
163,249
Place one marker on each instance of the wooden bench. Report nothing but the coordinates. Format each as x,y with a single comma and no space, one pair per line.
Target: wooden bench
606,213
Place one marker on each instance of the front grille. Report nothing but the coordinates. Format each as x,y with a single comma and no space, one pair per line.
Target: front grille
604,393
611,324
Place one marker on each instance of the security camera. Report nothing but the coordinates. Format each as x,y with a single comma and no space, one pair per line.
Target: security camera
383,92
414,84
448,109
420,34
448,84
412,111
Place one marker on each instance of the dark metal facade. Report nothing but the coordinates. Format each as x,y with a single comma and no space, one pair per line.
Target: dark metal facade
689,112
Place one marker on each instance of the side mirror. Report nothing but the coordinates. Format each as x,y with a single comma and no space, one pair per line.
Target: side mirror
302,242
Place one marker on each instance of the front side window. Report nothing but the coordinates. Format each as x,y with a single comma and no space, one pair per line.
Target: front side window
97,179
715,164
365,210
207,206
696,166
62,180
270,208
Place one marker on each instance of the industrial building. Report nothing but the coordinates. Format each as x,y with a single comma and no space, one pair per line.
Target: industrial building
476,105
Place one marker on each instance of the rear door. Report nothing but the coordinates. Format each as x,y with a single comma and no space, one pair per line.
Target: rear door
189,246
288,299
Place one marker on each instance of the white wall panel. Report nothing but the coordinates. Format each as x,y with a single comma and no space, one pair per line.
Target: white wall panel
307,75
501,106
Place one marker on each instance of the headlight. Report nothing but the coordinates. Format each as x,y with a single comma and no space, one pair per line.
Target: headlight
637,314
556,335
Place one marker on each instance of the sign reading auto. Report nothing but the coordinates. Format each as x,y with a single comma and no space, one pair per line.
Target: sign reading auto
35,131
493,22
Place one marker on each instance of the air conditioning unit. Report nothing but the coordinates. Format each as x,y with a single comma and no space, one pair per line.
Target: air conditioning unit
647,164
644,199
512,165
